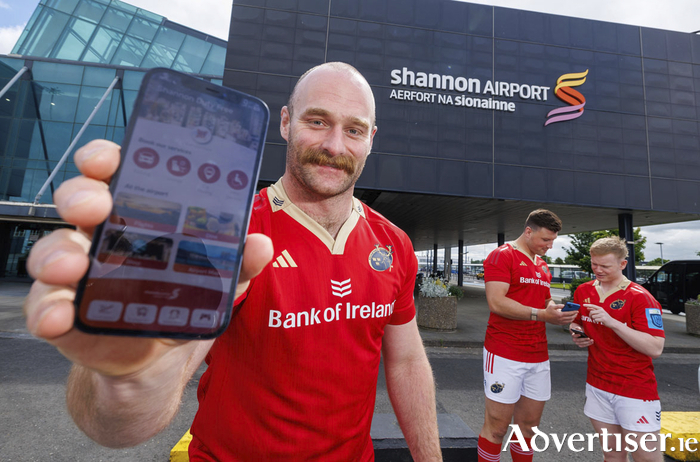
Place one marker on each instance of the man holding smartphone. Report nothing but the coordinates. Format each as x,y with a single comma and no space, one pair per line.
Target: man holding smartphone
516,361
294,376
624,332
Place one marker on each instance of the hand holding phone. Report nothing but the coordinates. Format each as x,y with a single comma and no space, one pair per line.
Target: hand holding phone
58,262
579,332
570,306
167,260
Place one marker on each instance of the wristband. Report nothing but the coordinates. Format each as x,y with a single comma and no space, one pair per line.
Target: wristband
533,314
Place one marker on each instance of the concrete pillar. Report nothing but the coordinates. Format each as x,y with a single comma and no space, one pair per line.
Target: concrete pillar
460,262
626,228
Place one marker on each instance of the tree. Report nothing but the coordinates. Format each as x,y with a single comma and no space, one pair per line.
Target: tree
558,261
655,262
547,260
579,252
639,242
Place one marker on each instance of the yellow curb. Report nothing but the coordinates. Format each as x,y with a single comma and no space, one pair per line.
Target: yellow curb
682,426
179,452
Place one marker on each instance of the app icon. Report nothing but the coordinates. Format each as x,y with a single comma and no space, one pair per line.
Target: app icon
140,314
179,165
209,173
237,179
204,318
146,158
104,310
201,135
173,316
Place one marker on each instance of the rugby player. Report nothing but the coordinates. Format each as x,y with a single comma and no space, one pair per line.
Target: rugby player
623,332
516,361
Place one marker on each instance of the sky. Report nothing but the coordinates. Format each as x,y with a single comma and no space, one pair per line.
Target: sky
680,240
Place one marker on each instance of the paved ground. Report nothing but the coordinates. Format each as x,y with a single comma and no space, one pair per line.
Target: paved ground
36,427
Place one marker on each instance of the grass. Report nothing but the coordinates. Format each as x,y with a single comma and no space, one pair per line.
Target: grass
560,285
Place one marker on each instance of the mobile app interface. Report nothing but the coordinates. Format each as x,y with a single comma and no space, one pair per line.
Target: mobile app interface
169,251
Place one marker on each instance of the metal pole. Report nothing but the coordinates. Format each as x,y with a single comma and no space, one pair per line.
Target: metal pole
72,145
14,79
661,249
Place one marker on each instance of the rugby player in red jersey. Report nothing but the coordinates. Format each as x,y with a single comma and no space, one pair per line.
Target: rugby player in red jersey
623,332
285,381
516,361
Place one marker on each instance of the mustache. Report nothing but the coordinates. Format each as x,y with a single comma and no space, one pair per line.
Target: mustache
320,157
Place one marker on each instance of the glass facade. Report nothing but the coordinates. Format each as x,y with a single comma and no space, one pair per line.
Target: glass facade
114,32
74,50
634,147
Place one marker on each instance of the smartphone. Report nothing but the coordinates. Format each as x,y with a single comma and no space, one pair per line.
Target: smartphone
579,332
165,263
570,306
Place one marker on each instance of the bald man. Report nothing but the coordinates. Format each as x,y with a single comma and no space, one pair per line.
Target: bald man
294,376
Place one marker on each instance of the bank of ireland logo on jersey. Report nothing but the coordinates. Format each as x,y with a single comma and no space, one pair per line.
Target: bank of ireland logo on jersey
654,319
381,258
573,98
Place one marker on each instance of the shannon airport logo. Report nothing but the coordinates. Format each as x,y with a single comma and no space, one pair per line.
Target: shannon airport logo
570,96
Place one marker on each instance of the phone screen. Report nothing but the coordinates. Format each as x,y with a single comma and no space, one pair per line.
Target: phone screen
166,261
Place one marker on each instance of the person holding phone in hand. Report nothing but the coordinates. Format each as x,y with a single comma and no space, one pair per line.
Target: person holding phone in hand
294,375
623,331
516,362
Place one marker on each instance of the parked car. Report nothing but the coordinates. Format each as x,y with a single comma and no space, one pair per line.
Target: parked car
570,275
674,283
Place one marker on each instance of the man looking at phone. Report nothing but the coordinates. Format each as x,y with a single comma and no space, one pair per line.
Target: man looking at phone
623,332
294,376
516,361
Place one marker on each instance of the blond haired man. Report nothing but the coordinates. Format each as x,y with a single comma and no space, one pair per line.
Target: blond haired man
623,330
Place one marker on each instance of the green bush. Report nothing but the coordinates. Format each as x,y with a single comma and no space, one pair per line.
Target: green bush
456,291
575,283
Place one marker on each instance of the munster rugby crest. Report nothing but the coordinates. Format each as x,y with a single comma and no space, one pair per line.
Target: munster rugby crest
381,258
617,304
497,387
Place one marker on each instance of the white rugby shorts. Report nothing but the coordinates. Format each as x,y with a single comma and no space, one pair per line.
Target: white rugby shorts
505,381
637,415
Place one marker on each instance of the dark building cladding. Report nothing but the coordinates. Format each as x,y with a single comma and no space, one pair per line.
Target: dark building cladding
463,93
450,165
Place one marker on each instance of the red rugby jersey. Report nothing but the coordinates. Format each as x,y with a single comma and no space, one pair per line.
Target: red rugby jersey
613,365
529,279
294,376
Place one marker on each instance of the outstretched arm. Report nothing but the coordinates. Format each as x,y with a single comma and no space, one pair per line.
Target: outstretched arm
122,390
411,387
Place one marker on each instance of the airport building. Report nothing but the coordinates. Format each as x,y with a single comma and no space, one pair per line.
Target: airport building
484,113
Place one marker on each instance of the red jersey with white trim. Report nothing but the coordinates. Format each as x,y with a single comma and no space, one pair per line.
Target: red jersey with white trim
529,279
613,365
294,376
